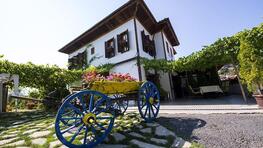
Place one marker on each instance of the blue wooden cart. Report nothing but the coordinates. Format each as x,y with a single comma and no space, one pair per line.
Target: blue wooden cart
88,115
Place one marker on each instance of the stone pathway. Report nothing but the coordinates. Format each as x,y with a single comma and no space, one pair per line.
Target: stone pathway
129,131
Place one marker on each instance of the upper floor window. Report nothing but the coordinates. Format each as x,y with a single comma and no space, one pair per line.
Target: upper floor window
110,48
148,44
123,42
167,47
92,50
78,62
174,51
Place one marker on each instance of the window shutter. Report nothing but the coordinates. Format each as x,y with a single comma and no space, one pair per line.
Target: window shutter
128,42
119,43
106,52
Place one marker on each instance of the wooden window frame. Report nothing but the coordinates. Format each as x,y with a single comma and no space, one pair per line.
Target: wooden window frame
167,47
110,50
92,51
148,44
123,45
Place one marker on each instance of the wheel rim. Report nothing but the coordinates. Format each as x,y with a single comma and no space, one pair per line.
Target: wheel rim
84,119
148,101
120,105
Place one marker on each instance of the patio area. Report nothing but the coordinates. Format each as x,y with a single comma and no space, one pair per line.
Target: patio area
209,105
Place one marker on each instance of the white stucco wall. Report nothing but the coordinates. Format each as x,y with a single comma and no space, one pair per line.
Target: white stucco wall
128,67
131,66
140,28
169,55
99,45
158,39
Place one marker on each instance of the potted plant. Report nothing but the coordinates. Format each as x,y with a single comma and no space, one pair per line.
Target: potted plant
251,62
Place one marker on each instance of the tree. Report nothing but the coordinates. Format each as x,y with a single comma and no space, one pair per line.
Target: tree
251,59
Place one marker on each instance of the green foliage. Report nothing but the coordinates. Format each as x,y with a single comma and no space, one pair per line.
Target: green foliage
45,78
244,48
221,52
1,56
34,94
251,58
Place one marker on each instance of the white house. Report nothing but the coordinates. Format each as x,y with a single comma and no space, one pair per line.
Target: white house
121,38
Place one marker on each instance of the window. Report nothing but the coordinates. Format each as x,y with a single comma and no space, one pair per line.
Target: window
123,42
148,44
167,47
78,62
174,51
110,48
92,50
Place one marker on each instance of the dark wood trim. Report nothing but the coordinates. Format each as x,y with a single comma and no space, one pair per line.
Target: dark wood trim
132,9
164,46
138,51
125,61
172,92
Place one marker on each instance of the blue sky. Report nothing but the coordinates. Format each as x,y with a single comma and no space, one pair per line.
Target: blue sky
33,30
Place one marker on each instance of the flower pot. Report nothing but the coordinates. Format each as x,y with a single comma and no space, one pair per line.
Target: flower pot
259,99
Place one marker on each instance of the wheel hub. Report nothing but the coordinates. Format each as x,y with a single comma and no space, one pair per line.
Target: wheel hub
89,119
151,100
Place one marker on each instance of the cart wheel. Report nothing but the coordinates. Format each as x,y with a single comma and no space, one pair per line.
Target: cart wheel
120,105
148,101
84,119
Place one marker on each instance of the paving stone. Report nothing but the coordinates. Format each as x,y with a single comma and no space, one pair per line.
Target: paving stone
54,144
22,147
136,135
106,139
159,141
143,144
139,126
19,122
39,134
42,125
36,116
146,130
39,141
30,131
9,136
178,142
187,144
13,132
111,146
63,146
2,142
162,131
51,126
20,142
152,124
118,137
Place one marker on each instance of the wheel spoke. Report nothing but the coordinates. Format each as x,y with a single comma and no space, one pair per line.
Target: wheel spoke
152,110
91,103
82,101
94,131
69,128
103,117
75,109
76,134
155,107
146,111
85,135
71,118
103,128
144,105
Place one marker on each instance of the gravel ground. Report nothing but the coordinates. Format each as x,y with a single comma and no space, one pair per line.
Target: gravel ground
218,130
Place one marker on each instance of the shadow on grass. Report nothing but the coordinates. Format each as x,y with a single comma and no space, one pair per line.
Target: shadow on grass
182,126
10,119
